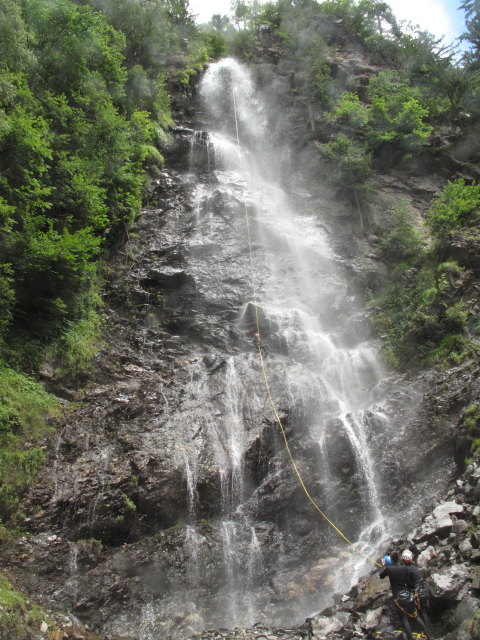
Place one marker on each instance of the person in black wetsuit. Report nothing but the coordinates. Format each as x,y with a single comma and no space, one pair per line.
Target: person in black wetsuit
415,581
399,577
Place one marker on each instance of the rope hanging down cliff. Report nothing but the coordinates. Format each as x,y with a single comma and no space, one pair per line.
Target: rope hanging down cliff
264,370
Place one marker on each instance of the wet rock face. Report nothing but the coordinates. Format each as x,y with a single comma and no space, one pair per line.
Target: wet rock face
143,457
170,503
464,247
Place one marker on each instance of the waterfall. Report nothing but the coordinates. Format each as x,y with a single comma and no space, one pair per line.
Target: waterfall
327,385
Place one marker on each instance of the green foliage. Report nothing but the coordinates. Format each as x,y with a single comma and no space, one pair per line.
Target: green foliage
383,50
243,44
394,117
24,407
457,206
402,242
19,618
350,111
476,446
215,43
129,503
471,410
472,34
396,114
82,114
79,344
84,110
471,417
416,308
350,162
14,38
321,85
7,297
363,18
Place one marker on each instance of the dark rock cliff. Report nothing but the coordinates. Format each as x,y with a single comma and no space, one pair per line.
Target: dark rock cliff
111,518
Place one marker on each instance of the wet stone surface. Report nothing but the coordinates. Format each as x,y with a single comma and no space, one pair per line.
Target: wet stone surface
170,498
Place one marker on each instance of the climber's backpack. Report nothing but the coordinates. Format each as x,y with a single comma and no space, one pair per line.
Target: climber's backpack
422,593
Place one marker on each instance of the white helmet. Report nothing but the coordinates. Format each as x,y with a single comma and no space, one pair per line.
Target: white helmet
407,555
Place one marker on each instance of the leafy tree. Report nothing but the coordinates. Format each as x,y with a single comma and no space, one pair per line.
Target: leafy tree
15,54
83,54
364,18
153,30
350,162
321,86
215,43
73,151
350,111
219,22
472,35
396,114
241,12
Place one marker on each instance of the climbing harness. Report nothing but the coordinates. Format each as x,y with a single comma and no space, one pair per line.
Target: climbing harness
264,371
410,615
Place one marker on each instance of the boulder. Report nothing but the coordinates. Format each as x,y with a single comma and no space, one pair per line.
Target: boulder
439,523
459,526
476,492
374,592
426,556
450,583
476,513
371,619
465,547
465,610
326,624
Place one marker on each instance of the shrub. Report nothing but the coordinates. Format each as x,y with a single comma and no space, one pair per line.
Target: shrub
24,409
351,111
350,162
402,242
458,205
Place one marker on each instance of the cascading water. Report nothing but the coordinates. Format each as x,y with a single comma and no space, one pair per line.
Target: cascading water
326,386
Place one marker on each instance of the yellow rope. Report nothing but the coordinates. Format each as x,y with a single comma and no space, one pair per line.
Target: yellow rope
264,371
410,615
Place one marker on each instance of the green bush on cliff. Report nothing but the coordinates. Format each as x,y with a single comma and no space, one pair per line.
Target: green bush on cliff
473,626
350,111
350,162
402,242
394,118
19,618
421,325
83,109
397,114
24,406
416,309
471,417
458,205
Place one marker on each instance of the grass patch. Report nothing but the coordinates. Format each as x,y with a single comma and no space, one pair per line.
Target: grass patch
76,349
476,447
25,409
19,618
473,626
